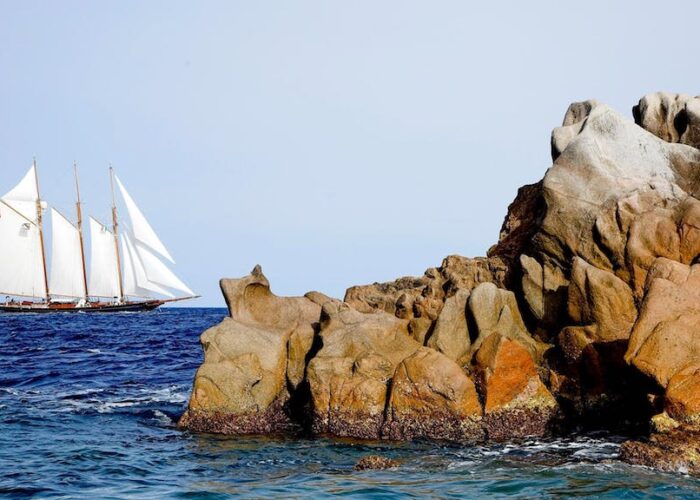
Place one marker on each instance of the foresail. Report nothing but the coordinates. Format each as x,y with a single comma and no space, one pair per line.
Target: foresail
66,258
24,195
104,277
21,264
136,283
142,231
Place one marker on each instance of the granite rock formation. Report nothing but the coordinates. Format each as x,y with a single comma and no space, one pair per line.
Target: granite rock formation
585,313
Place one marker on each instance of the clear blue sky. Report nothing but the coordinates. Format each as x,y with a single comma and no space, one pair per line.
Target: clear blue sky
334,143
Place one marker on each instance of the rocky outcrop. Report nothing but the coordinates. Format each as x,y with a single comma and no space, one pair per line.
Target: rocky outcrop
253,359
584,313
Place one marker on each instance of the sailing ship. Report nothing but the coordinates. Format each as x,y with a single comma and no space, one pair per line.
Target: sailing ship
127,272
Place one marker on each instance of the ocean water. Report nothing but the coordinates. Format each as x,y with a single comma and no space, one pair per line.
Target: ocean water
88,406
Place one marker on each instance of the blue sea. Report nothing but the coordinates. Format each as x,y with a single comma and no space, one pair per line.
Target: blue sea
88,405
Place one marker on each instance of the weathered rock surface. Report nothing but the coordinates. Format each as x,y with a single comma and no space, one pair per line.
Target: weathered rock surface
586,312
372,380
671,117
574,120
666,338
350,376
682,399
432,397
450,334
252,359
517,403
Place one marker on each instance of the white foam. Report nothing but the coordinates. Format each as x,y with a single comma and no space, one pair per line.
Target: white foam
162,418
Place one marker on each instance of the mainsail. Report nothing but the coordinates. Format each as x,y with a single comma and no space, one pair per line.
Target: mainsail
22,270
104,277
66,258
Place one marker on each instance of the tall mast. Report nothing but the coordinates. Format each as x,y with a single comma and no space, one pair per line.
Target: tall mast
39,218
115,227
80,229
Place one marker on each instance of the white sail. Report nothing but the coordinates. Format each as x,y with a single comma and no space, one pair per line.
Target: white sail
157,272
23,196
66,258
21,263
136,282
142,230
104,277
129,273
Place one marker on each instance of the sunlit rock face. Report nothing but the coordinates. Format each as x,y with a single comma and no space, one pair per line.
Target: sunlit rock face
585,313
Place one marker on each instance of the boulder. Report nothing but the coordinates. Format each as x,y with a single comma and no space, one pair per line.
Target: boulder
349,377
682,398
252,359
375,462
689,231
372,380
523,218
432,397
393,297
671,117
664,339
516,402
423,297
450,335
240,388
601,302
574,120
544,288
463,273
495,311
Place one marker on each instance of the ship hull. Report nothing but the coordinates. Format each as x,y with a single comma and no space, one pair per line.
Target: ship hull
148,305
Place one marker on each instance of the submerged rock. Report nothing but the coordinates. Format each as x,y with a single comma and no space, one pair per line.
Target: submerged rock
585,312
677,450
375,462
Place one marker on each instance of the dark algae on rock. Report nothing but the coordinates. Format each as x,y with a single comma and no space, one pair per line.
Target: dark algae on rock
585,314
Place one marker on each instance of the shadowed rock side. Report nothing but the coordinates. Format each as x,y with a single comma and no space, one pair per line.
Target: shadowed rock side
585,313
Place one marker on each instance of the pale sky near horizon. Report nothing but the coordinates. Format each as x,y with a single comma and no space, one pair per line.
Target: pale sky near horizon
334,143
